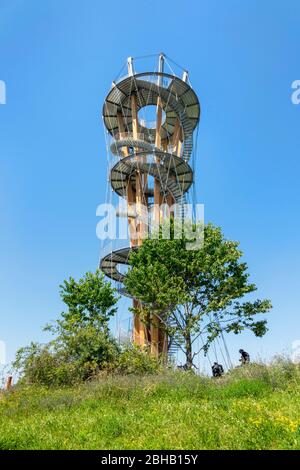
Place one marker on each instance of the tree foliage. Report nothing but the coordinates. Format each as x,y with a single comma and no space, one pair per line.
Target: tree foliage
195,292
82,343
91,302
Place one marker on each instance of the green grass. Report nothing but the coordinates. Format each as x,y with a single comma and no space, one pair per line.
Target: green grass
256,407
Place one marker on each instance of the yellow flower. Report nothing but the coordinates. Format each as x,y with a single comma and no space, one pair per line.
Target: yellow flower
286,422
256,421
293,426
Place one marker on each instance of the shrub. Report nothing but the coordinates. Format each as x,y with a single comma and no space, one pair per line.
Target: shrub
134,360
276,375
81,356
90,346
82,345
38,364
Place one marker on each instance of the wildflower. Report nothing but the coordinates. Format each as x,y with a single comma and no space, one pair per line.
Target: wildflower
256,421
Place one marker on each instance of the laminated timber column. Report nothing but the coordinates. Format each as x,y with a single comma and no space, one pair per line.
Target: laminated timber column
138,176
139,335
129,189
155,323
176,143
131,200
122,131
157,335
157,185
176,149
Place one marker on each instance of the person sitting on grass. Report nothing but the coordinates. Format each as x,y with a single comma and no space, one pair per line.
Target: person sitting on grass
217,370
245,357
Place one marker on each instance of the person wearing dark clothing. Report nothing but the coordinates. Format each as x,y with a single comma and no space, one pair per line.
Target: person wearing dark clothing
217,370
182,367
245,358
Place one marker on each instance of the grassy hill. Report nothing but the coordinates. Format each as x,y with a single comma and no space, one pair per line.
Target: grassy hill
257,407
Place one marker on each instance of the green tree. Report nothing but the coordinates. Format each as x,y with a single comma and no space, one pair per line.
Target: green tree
91,301
195,292
82,342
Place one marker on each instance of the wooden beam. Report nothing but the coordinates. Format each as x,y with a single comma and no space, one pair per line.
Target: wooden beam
139,206
158,123
163,343
164,144
157,186
122,131
139,327
8,384
176,138
134,116
136,325
170,202
154,329
130,205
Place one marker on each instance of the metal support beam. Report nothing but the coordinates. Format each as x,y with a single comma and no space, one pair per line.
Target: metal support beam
130,66
185,76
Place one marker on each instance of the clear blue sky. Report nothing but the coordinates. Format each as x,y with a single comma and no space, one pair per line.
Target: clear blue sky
58,58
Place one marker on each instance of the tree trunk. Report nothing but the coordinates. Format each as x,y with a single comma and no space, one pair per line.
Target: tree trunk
188,352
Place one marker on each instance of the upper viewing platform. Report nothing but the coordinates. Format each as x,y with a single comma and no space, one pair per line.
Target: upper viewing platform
179,104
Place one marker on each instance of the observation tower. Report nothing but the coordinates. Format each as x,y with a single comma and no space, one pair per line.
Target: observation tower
150,161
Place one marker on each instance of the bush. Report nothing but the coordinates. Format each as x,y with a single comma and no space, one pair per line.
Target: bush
90,346
38,364
80,357
134,360
83,344
276,375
